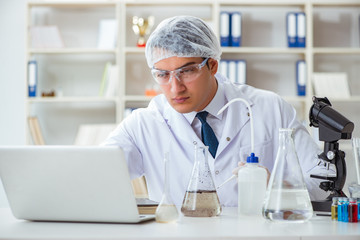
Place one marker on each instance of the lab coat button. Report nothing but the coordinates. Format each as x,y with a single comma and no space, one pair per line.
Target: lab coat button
217,172
248,114
228,139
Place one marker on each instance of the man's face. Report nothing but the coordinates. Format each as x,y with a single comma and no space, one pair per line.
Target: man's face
192,95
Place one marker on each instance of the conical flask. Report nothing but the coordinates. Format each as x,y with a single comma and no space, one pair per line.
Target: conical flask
201,199
166,210
287,198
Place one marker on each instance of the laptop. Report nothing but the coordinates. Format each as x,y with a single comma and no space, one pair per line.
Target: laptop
69,183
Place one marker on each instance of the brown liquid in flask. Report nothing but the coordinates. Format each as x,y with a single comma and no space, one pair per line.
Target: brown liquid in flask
201,199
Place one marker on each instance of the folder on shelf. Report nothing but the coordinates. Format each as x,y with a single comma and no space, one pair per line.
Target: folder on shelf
32,78
113,82
224,29
301,29
235,30
301,77
223,68
232,70
331,84
107,34
241,71
46,37
35,131
291,29
93,134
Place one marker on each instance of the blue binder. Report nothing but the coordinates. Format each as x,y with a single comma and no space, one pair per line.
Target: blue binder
241,71
291,29
224,29
301,29
301,77
32,78
235,29
224,68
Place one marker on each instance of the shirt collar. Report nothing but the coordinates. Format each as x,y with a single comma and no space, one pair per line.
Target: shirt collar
213,107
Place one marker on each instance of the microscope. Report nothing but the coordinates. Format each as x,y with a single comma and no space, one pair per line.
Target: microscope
332,127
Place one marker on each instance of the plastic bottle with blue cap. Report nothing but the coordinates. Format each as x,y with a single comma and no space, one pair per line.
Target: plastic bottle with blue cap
252,182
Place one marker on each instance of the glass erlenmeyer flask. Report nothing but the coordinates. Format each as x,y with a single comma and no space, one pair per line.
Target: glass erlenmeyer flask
166,210
287,198
201,199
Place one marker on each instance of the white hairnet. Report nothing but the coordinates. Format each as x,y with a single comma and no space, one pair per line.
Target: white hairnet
182,36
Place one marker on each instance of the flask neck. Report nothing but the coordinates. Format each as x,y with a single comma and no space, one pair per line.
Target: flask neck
167,180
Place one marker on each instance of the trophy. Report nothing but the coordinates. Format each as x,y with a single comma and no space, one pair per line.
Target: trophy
142,27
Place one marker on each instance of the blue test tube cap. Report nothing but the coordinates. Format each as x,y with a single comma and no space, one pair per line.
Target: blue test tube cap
252,158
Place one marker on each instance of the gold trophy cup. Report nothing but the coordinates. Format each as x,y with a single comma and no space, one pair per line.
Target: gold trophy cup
142,27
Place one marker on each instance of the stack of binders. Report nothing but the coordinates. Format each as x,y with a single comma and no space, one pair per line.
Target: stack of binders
296,29
235,70
230,29
301,77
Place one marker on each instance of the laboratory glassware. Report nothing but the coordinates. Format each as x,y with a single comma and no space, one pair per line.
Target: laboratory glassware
287,198
166,210
353,210
334,208
201,199
252,181
356,149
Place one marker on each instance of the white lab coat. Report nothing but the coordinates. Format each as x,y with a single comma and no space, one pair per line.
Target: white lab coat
150,132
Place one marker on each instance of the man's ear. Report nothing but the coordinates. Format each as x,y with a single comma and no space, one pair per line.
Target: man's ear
213,65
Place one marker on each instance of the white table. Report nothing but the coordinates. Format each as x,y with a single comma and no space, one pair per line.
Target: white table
226,226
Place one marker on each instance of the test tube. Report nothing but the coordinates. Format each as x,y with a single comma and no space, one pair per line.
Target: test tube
340,211
353,210
346,210
334,209
358,203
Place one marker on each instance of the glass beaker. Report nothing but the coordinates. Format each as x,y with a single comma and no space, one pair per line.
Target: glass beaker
201,199
287,198
166,210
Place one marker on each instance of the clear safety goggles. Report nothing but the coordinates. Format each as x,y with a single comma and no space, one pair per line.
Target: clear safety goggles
184,74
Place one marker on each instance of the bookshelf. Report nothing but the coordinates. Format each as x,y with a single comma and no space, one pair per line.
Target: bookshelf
77,68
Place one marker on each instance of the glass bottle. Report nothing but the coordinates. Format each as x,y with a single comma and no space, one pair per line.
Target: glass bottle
334,209
166,210
201,199
345,210
287,198
252,181
340,209
353,210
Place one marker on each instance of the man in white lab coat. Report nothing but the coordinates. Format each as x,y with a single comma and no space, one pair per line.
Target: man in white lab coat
183,54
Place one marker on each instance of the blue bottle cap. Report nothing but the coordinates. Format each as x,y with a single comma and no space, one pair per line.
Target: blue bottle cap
252,158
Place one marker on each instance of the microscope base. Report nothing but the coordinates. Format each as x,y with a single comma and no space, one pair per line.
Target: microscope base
322,205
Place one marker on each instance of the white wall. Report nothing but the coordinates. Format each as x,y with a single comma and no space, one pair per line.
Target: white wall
12,72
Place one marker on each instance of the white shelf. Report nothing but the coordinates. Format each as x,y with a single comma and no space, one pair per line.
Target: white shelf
327,50
70,3
134,50
72,51
134,73
137,98
263,50
353,99
70,99
301,99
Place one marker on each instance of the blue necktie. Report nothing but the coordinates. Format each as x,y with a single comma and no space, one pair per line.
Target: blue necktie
207,134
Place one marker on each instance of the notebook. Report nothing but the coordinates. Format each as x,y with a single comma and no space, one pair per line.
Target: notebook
69,183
